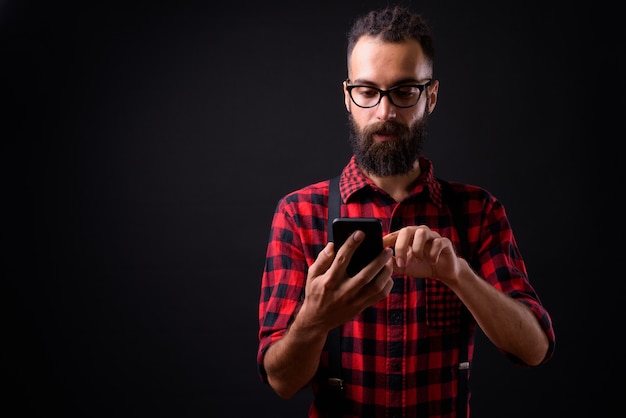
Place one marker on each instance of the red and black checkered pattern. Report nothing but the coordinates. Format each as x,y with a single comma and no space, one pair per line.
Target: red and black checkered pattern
399,356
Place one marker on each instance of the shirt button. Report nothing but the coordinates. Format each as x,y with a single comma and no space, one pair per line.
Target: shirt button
395,367
396,318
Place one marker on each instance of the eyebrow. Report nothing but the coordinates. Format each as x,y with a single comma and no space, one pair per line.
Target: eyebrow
361,81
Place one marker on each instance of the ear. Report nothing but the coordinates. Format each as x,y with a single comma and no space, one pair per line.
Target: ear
433,93
346,97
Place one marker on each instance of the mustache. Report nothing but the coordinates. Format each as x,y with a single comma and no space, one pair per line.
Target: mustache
387,127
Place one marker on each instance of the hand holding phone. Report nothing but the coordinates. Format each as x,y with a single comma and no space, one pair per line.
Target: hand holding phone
368,249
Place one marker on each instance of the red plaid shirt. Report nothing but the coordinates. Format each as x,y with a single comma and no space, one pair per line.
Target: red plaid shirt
400,356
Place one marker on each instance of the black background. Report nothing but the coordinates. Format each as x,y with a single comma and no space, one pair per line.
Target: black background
145,145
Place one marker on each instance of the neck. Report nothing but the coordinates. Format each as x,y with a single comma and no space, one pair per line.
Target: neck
398,186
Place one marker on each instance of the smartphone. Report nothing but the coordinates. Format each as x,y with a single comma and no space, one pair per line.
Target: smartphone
369,248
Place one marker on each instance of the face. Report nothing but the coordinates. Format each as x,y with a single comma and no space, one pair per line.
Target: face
387,140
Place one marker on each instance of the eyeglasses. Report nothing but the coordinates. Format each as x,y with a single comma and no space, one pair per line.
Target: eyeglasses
401,96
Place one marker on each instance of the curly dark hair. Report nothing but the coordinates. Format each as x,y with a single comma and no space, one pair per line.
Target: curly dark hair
393,24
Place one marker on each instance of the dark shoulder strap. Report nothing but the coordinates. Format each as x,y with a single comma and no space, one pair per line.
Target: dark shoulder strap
334,337
330,396
334,204
459,220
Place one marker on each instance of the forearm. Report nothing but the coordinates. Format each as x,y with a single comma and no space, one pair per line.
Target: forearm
292,361
508,323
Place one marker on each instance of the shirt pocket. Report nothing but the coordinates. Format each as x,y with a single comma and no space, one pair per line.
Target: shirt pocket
443,306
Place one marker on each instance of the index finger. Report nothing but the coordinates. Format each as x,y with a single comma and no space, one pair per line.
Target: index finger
390,238
323,261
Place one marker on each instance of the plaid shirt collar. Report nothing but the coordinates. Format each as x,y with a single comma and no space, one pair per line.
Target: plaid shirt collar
353,180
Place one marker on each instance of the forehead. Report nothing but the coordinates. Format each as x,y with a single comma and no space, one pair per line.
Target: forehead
382,62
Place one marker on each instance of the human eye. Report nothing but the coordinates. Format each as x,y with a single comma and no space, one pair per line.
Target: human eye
366,92
405,96
406,92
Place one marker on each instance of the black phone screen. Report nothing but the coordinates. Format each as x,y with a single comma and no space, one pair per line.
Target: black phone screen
369,248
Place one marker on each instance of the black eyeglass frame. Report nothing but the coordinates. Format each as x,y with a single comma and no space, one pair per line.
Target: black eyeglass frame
382,93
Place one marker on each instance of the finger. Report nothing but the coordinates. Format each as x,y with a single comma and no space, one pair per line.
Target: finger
423,242
374,267
380,285
390,239
403,242
344,254
323,261
438,247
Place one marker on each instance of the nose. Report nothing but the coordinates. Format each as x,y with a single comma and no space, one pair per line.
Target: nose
385,109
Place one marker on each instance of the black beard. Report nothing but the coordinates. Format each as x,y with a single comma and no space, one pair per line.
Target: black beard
389,158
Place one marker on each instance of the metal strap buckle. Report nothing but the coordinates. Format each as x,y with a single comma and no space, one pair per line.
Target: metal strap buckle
335,382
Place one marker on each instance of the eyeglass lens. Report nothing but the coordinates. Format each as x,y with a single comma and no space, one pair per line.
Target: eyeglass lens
401,96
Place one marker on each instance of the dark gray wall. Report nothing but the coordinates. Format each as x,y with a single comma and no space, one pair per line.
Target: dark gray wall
146,144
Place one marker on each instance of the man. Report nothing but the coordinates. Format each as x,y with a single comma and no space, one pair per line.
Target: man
400,318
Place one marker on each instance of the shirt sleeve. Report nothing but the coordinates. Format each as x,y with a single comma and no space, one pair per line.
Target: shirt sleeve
283,281
501,264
